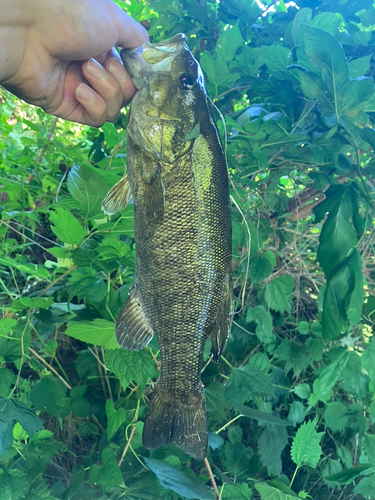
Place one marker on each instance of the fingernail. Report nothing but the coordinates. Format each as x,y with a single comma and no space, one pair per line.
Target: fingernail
84,93
95,69
117,70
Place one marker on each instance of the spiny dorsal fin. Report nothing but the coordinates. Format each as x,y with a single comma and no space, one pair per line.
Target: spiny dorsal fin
133,331
118,197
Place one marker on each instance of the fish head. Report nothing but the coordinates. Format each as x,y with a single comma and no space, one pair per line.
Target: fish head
165,114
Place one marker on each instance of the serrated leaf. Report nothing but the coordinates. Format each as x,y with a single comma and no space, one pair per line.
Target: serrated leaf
367,359
366,487
88,188
176,480
260,270
306,449
245,382
261,416
98,332
114,418
66,227
330,374
12,410
278,58
263,320
214,440
128,366
278,293
271,443
336,416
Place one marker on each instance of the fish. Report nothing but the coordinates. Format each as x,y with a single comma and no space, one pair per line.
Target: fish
177,177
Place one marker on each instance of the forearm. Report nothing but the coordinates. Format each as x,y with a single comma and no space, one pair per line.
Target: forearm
15,20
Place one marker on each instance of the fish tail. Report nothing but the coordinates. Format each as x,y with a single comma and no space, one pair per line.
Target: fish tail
171,422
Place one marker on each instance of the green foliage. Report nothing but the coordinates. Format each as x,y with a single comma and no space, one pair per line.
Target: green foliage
291,408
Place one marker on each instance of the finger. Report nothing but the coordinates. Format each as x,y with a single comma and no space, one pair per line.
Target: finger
106,85
117,69
130,33
92,108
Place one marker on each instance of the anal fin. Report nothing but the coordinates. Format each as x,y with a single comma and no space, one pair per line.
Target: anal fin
118,197
133,331
221,329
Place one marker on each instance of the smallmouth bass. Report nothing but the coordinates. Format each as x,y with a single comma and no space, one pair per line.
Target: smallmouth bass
177,176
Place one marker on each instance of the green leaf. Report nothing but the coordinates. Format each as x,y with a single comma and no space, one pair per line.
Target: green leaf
330,374
128,366
263,320
6,326
88,188
306,449
114,418
12,410
367,359
109,474
278,293
336,416
302,390
237,458
32,303
7,378
296,412
366,487
368,446
176,480
229,41
271,443
216,403
33,270
278,59
269,493
260,270
348,475
261,416
359,66
326,54
98,332
66,227
48,395
85,283
245,382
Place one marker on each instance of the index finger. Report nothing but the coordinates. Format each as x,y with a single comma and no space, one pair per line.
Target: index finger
130,33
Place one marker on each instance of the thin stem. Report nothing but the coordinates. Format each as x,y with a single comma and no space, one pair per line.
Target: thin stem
100,372
213,482
106,375
57,280
227,362
294,476
134,430
6,289
49,367
208,362
228,423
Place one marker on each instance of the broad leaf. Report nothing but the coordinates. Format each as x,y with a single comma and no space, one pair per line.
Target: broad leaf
306,449
245,382
99,332
176,480
271,443
66,227
279,293
263,320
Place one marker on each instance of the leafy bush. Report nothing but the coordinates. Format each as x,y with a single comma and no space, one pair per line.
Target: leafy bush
291,405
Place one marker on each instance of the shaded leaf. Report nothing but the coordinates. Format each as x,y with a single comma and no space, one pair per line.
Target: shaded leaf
306,449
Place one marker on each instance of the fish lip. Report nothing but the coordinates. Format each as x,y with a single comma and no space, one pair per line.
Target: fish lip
152,58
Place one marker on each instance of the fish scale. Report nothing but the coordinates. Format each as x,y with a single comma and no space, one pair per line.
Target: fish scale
177,176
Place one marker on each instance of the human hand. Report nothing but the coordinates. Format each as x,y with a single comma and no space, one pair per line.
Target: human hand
60,55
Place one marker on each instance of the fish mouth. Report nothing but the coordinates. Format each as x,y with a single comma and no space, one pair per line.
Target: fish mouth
152,58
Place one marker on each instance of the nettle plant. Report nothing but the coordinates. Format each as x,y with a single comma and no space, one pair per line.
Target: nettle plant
291,405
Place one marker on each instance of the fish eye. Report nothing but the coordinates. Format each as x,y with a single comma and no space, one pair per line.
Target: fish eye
185,82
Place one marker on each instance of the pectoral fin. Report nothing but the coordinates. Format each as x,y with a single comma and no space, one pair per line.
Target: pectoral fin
133,331
118,197
220,331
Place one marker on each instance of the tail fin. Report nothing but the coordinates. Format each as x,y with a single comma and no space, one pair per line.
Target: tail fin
168,421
